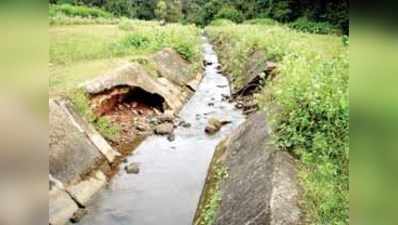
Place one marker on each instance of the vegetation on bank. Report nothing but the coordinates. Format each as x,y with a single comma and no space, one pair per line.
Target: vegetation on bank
107,129
203,12
81,11
79,49
211,196
310,95
211,203
94,45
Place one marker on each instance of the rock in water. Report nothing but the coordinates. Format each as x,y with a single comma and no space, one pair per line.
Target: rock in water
171,137
166,117
164,129
142,127
214,125
186,125
132,168
78,215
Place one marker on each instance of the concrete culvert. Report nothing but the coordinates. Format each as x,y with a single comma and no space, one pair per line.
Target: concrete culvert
130,98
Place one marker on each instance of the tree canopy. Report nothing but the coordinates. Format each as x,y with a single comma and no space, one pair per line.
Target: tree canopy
202,12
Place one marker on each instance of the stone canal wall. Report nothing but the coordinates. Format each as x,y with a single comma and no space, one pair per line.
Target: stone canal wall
260,186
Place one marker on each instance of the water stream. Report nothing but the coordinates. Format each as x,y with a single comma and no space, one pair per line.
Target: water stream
172,174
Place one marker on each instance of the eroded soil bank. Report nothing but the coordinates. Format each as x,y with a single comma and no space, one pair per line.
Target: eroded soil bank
172,173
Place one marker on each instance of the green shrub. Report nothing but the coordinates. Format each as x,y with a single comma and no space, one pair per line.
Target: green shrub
221,22
185,50
281,11
135,40
81,11
230,13
305,25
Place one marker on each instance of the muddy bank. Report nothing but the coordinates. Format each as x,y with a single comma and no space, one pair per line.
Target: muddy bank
250,182
135,97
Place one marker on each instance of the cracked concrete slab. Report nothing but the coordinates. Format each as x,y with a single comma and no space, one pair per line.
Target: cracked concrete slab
61,206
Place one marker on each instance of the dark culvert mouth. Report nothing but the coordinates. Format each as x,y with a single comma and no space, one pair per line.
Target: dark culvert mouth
126,98
139,95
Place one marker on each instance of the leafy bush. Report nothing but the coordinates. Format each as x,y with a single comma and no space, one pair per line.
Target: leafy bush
307,106
221,22
135,40
81,11
230,13
280,11
261,21
120,7
305,25
185,50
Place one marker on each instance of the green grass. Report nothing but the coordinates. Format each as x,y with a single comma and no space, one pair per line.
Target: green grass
67,77
307,105
221,22
305,25
261,21
106,128
69,44
81,11
209,206
79,52
61,19
96,44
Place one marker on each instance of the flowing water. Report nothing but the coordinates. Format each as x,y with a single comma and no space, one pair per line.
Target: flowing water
172,174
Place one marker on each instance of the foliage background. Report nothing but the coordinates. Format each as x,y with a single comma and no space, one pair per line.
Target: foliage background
202,12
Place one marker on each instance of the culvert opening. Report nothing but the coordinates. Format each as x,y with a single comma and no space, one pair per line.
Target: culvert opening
130,109
125,98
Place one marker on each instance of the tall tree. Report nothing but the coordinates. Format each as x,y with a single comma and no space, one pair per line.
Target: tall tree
174,10
161,10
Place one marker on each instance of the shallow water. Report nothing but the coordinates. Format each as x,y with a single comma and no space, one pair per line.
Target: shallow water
172,174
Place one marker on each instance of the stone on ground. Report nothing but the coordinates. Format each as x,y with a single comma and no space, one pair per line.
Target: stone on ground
61,206
214,125
164,129
78,215
132,168
85,190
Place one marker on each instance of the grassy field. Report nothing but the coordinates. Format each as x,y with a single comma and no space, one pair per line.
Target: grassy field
311,97
80,52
